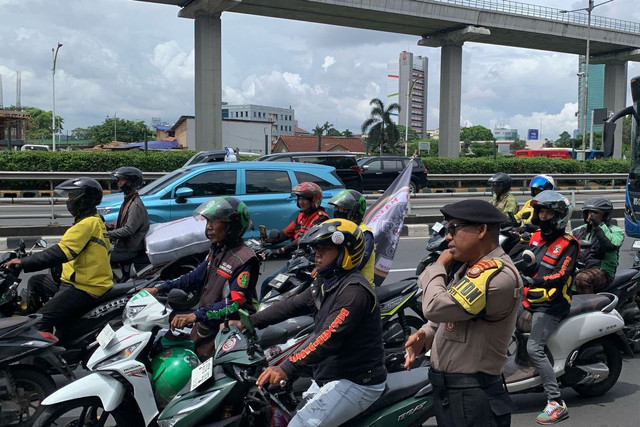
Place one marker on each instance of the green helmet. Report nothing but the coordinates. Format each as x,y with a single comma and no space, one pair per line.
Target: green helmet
230,210
349,204
172,371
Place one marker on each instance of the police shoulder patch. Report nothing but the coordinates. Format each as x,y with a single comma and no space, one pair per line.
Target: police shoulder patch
470,292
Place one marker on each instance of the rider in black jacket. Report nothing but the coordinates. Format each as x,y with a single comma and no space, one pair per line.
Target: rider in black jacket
347,355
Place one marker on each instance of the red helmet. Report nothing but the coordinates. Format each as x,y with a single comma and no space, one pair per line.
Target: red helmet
310,191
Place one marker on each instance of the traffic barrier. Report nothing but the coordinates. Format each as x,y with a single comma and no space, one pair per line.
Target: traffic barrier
9,194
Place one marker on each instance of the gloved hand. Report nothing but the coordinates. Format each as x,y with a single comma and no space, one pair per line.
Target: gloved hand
271,253
528,281
595,221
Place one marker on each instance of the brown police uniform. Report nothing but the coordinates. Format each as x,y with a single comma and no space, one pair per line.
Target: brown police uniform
471,321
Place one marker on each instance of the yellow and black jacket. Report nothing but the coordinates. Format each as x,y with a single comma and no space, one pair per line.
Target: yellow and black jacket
84,253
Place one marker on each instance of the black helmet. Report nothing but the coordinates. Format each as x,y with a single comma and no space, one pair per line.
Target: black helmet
598,204
132,175
349,204
86,195
500,183
343,234
230,210
540,183
556,202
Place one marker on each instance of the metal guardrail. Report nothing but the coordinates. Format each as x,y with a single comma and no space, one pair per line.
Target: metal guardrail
575,17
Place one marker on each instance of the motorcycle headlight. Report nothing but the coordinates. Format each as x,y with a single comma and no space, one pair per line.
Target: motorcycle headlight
192,407
130,313
123,354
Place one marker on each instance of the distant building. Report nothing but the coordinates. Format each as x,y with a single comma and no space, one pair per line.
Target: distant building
13,125
409,75
288,143
505,133
595,95
283,119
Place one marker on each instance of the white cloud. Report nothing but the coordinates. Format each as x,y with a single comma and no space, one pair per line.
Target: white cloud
136,59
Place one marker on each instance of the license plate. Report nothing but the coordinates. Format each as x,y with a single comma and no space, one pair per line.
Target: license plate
105,336
279,280
201,373
636,244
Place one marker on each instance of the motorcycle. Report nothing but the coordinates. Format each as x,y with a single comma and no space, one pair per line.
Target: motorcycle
120,389
585,350
28,359
12,303
626,287
225,392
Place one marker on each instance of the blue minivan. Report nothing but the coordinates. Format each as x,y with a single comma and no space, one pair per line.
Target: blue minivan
264,186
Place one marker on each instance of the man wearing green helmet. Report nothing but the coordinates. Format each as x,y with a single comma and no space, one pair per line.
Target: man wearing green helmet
229,259
351,205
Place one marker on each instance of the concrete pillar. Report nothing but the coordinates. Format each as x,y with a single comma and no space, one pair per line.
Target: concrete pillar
616,85
208,81
450,92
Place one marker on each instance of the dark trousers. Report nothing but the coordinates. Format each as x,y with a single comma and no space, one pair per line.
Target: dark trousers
469,405
67,305
264,288
41,288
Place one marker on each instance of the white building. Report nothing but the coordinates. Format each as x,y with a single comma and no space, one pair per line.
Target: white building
409,76
283,119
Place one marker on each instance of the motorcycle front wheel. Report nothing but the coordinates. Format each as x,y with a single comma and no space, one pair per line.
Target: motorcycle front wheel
88,412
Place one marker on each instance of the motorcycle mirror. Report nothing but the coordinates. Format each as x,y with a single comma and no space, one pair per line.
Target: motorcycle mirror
528,257
41,243
274,234
226,291
177,298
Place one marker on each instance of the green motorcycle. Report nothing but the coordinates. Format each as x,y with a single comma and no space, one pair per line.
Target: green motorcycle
223,391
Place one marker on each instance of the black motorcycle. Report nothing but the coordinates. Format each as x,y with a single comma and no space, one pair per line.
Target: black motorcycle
28,359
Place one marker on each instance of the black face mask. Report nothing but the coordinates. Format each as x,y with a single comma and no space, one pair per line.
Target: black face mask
71,207
340,214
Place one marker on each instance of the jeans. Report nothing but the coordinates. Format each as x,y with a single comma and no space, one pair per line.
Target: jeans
542,326
335,403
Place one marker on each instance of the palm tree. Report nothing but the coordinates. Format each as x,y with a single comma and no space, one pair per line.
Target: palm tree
381,128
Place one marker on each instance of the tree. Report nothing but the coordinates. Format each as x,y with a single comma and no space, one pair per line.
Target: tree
333,132
381,129
565,141
413,134
40,125
120,130
318,130
476,133
326,127
482,149
519,144
347,133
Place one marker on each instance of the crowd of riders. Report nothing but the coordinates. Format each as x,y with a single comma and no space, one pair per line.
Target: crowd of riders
468,338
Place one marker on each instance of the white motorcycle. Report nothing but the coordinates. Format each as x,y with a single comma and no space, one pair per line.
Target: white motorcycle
585,350
120,391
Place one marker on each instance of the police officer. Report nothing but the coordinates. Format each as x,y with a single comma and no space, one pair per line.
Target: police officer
471,319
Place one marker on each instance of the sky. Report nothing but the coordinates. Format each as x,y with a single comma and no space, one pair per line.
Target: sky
135,60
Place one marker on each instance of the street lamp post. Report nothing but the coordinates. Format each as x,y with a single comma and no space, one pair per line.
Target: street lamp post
54,53
585,88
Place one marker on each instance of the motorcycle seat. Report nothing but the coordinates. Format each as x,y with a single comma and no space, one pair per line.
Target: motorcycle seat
12,326
400,385
116,290
391,290
580,303
622,277
281,332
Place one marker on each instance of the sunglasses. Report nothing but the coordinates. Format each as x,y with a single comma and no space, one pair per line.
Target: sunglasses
453,228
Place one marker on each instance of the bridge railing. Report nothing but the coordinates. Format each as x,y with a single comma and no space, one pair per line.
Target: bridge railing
577,17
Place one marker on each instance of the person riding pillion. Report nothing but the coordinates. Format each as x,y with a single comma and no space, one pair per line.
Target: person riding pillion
602,258
83,251
538,184
131,227
229,260
351,205
502,199
547,294
347,356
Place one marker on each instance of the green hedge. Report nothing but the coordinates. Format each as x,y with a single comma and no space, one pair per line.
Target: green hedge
165,161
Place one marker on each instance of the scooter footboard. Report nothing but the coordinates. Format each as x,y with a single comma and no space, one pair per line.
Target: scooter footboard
109,390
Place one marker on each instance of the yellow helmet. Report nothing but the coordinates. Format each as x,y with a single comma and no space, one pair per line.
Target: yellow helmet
343,234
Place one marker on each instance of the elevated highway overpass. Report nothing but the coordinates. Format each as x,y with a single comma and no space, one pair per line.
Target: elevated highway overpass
447,24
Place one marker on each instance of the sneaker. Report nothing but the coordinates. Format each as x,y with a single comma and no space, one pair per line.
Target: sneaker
553,413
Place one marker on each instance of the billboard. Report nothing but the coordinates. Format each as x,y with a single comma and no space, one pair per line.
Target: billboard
532,134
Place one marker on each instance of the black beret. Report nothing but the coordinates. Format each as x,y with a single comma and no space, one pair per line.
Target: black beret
474,211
